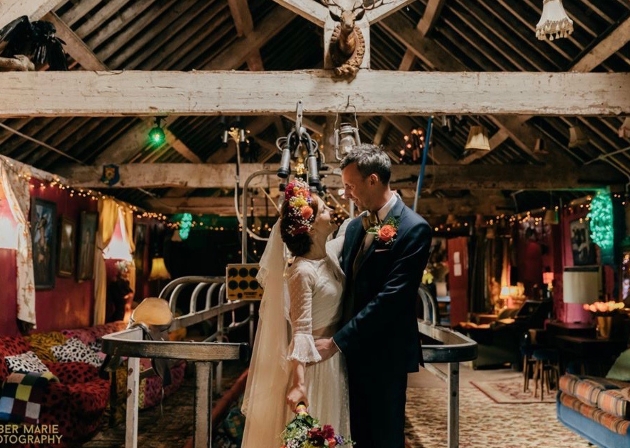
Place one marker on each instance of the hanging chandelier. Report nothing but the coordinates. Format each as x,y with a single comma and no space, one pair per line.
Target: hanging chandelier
554,22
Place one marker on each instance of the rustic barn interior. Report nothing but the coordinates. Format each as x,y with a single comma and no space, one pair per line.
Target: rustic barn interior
488,125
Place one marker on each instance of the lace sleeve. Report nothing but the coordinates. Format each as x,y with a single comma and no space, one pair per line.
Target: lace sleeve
301,281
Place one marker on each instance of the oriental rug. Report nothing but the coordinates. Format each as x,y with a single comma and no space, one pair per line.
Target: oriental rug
484,423
510,391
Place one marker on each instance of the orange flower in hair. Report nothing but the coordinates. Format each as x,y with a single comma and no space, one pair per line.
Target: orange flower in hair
299,210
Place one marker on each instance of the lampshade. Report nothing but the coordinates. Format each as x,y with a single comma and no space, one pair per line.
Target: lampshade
624,130
478,139
551,217
158,270
547,277
577,137
505,292
580,285
554,22
539,147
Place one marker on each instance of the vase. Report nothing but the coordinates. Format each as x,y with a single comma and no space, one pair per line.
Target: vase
604,324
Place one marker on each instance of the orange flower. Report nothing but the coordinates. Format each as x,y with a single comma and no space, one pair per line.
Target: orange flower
307,212
386,233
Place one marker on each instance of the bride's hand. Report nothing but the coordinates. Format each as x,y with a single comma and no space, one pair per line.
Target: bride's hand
296,394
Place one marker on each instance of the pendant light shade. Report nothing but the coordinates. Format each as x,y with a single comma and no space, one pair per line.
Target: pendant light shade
554,22
539,147
577,137
551,217
477,139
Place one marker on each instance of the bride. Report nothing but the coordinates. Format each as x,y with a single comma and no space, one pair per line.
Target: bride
307,295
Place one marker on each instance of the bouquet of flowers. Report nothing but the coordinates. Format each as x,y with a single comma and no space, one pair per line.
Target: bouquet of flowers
604,308
305,431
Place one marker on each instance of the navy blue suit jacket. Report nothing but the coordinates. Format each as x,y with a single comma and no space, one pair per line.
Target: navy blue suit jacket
383,333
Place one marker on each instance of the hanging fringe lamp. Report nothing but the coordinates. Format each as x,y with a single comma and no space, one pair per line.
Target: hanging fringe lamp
554,22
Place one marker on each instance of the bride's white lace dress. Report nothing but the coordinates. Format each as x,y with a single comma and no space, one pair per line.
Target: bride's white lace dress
314,310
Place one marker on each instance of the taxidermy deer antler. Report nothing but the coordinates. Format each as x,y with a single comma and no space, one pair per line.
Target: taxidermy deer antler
347,45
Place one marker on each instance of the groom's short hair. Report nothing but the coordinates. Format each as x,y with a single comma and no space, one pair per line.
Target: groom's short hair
370,159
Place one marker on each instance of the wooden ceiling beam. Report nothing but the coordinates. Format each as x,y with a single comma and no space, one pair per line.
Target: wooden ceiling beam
310,10
604,49
124,147
430,16
385,10
244,24
488,206
447,177
378,92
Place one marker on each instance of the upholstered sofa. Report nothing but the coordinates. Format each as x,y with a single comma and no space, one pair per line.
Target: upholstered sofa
598,409
72,405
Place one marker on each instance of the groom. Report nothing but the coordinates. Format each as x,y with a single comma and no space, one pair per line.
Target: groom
383,270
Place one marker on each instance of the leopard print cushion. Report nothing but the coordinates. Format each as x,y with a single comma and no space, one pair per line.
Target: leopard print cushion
75,350
10,345
41,344
25,362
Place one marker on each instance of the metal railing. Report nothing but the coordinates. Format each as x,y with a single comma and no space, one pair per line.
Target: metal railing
451,348
130,343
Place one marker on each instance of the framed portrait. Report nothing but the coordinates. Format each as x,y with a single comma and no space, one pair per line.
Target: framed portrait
44,237
582,245
139,239
88,226
67,248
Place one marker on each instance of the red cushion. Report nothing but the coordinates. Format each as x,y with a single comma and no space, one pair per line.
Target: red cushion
73,372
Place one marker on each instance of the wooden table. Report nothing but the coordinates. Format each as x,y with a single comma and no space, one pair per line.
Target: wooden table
594,356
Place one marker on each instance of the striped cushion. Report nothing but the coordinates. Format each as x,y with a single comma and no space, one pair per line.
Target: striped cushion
586,389
615,424
615,402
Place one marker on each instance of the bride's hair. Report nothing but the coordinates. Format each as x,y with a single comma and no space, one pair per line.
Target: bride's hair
298,213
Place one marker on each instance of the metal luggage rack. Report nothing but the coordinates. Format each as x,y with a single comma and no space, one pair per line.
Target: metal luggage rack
451,348
204,354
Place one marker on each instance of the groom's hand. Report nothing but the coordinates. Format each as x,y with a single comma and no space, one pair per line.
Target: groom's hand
326,348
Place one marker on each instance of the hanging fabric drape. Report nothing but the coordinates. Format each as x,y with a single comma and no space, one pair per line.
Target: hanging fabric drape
16,190
107,217
127,229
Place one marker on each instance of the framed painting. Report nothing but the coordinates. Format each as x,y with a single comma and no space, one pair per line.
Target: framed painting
67,237
44,237
139,239
582,245
88,226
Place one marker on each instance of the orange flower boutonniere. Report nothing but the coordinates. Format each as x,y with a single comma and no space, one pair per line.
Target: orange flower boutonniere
385,233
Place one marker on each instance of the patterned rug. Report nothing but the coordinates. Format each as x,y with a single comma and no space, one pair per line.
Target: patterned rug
511,391
484,423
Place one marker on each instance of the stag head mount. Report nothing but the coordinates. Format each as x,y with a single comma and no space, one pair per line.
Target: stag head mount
347,44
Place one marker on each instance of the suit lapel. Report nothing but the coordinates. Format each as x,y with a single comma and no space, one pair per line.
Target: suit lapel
395,212
354,237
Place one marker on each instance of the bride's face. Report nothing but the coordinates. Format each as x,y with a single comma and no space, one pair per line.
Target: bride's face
323,224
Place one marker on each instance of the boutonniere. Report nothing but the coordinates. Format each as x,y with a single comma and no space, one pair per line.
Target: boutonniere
385,233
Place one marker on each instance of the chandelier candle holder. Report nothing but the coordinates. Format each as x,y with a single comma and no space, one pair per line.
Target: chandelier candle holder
554,22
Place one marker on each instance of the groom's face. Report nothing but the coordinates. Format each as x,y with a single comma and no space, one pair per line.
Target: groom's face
356,187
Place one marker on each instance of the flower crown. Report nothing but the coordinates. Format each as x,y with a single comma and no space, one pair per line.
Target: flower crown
299,211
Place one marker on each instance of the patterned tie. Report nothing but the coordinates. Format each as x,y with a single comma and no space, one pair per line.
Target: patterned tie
370,220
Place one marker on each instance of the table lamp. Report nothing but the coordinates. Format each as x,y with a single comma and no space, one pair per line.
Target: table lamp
580,286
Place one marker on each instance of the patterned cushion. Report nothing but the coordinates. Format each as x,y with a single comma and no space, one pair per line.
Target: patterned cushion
41,343
91,334
585,389
615,402
615,424
26,362
10,345
75,350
